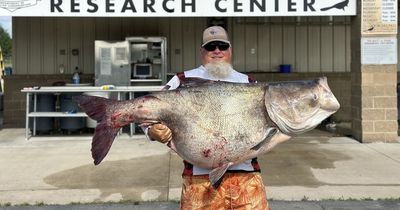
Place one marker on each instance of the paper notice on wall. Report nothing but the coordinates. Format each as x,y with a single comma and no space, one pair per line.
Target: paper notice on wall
105,61
120,54
379,50
389,11
379,17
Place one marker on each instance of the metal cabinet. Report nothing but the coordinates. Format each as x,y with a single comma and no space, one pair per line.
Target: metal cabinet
112,63
148,60
135,61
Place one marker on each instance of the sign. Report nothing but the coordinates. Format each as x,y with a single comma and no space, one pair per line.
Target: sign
176,8
379,50
379,17
12,5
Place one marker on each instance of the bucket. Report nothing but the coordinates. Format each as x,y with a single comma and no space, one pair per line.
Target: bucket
284,68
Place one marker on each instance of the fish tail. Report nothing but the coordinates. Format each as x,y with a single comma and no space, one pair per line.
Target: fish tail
102,140
98,109
94,107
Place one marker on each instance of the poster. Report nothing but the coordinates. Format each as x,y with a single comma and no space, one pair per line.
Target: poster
379,17
379,50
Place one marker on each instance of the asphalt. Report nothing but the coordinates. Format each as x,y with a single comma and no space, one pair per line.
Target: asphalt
309,169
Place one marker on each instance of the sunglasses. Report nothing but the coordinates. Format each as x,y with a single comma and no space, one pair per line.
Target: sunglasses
213,45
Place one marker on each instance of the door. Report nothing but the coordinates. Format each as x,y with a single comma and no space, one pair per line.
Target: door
112,66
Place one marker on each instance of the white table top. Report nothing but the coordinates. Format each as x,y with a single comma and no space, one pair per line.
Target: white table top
146,80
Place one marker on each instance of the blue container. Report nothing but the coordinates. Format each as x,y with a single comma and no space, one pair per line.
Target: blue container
8,71
44,103
285,68
69,106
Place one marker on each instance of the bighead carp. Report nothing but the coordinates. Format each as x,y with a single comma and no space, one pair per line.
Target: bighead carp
217,124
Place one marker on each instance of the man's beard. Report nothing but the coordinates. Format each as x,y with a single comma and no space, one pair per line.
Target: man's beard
220,69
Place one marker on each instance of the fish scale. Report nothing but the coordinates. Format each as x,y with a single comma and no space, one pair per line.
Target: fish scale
216,120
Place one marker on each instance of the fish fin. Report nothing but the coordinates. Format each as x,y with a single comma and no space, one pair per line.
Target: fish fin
171,145
102,140
216,174
268,135
97,109
197,81
194,82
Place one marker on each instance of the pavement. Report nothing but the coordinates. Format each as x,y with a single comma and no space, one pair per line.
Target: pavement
316,166
274,205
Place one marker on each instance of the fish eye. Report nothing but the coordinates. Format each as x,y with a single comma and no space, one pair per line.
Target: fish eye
315,97
313,100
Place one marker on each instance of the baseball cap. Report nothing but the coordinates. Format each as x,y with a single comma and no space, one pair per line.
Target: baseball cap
215,33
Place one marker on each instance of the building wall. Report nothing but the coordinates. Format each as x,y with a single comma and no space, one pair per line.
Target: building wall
310,44
15,100
313,46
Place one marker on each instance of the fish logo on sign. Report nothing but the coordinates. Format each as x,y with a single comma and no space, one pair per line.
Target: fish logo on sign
340,5
12,5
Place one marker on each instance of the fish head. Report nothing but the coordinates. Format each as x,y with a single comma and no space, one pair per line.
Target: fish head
327,100
299,106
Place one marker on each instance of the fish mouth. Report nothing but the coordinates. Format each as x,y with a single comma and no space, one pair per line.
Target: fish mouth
332,109
331,104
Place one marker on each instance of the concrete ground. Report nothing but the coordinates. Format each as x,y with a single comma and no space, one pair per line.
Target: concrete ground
314,166
274,205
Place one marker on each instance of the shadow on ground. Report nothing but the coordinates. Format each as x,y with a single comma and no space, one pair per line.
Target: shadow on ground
142,178
287,165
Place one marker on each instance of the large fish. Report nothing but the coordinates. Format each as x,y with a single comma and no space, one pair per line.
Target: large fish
217,124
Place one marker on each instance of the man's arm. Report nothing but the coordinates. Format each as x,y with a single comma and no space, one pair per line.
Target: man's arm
160,132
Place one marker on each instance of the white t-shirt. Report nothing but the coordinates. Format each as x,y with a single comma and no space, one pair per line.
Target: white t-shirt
201,72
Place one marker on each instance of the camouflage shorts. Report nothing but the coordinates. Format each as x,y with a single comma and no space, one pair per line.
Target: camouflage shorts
237,191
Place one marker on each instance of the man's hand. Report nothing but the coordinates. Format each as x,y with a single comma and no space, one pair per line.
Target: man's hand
160,132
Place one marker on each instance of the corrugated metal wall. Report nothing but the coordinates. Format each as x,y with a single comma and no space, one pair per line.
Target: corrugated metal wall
309,44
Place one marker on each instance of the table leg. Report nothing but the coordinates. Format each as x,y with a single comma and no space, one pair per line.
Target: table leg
27,116
34,110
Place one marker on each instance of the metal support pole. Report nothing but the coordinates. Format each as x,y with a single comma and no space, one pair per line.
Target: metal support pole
27,116
34,110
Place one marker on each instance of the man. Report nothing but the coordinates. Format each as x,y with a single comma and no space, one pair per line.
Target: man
242,186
